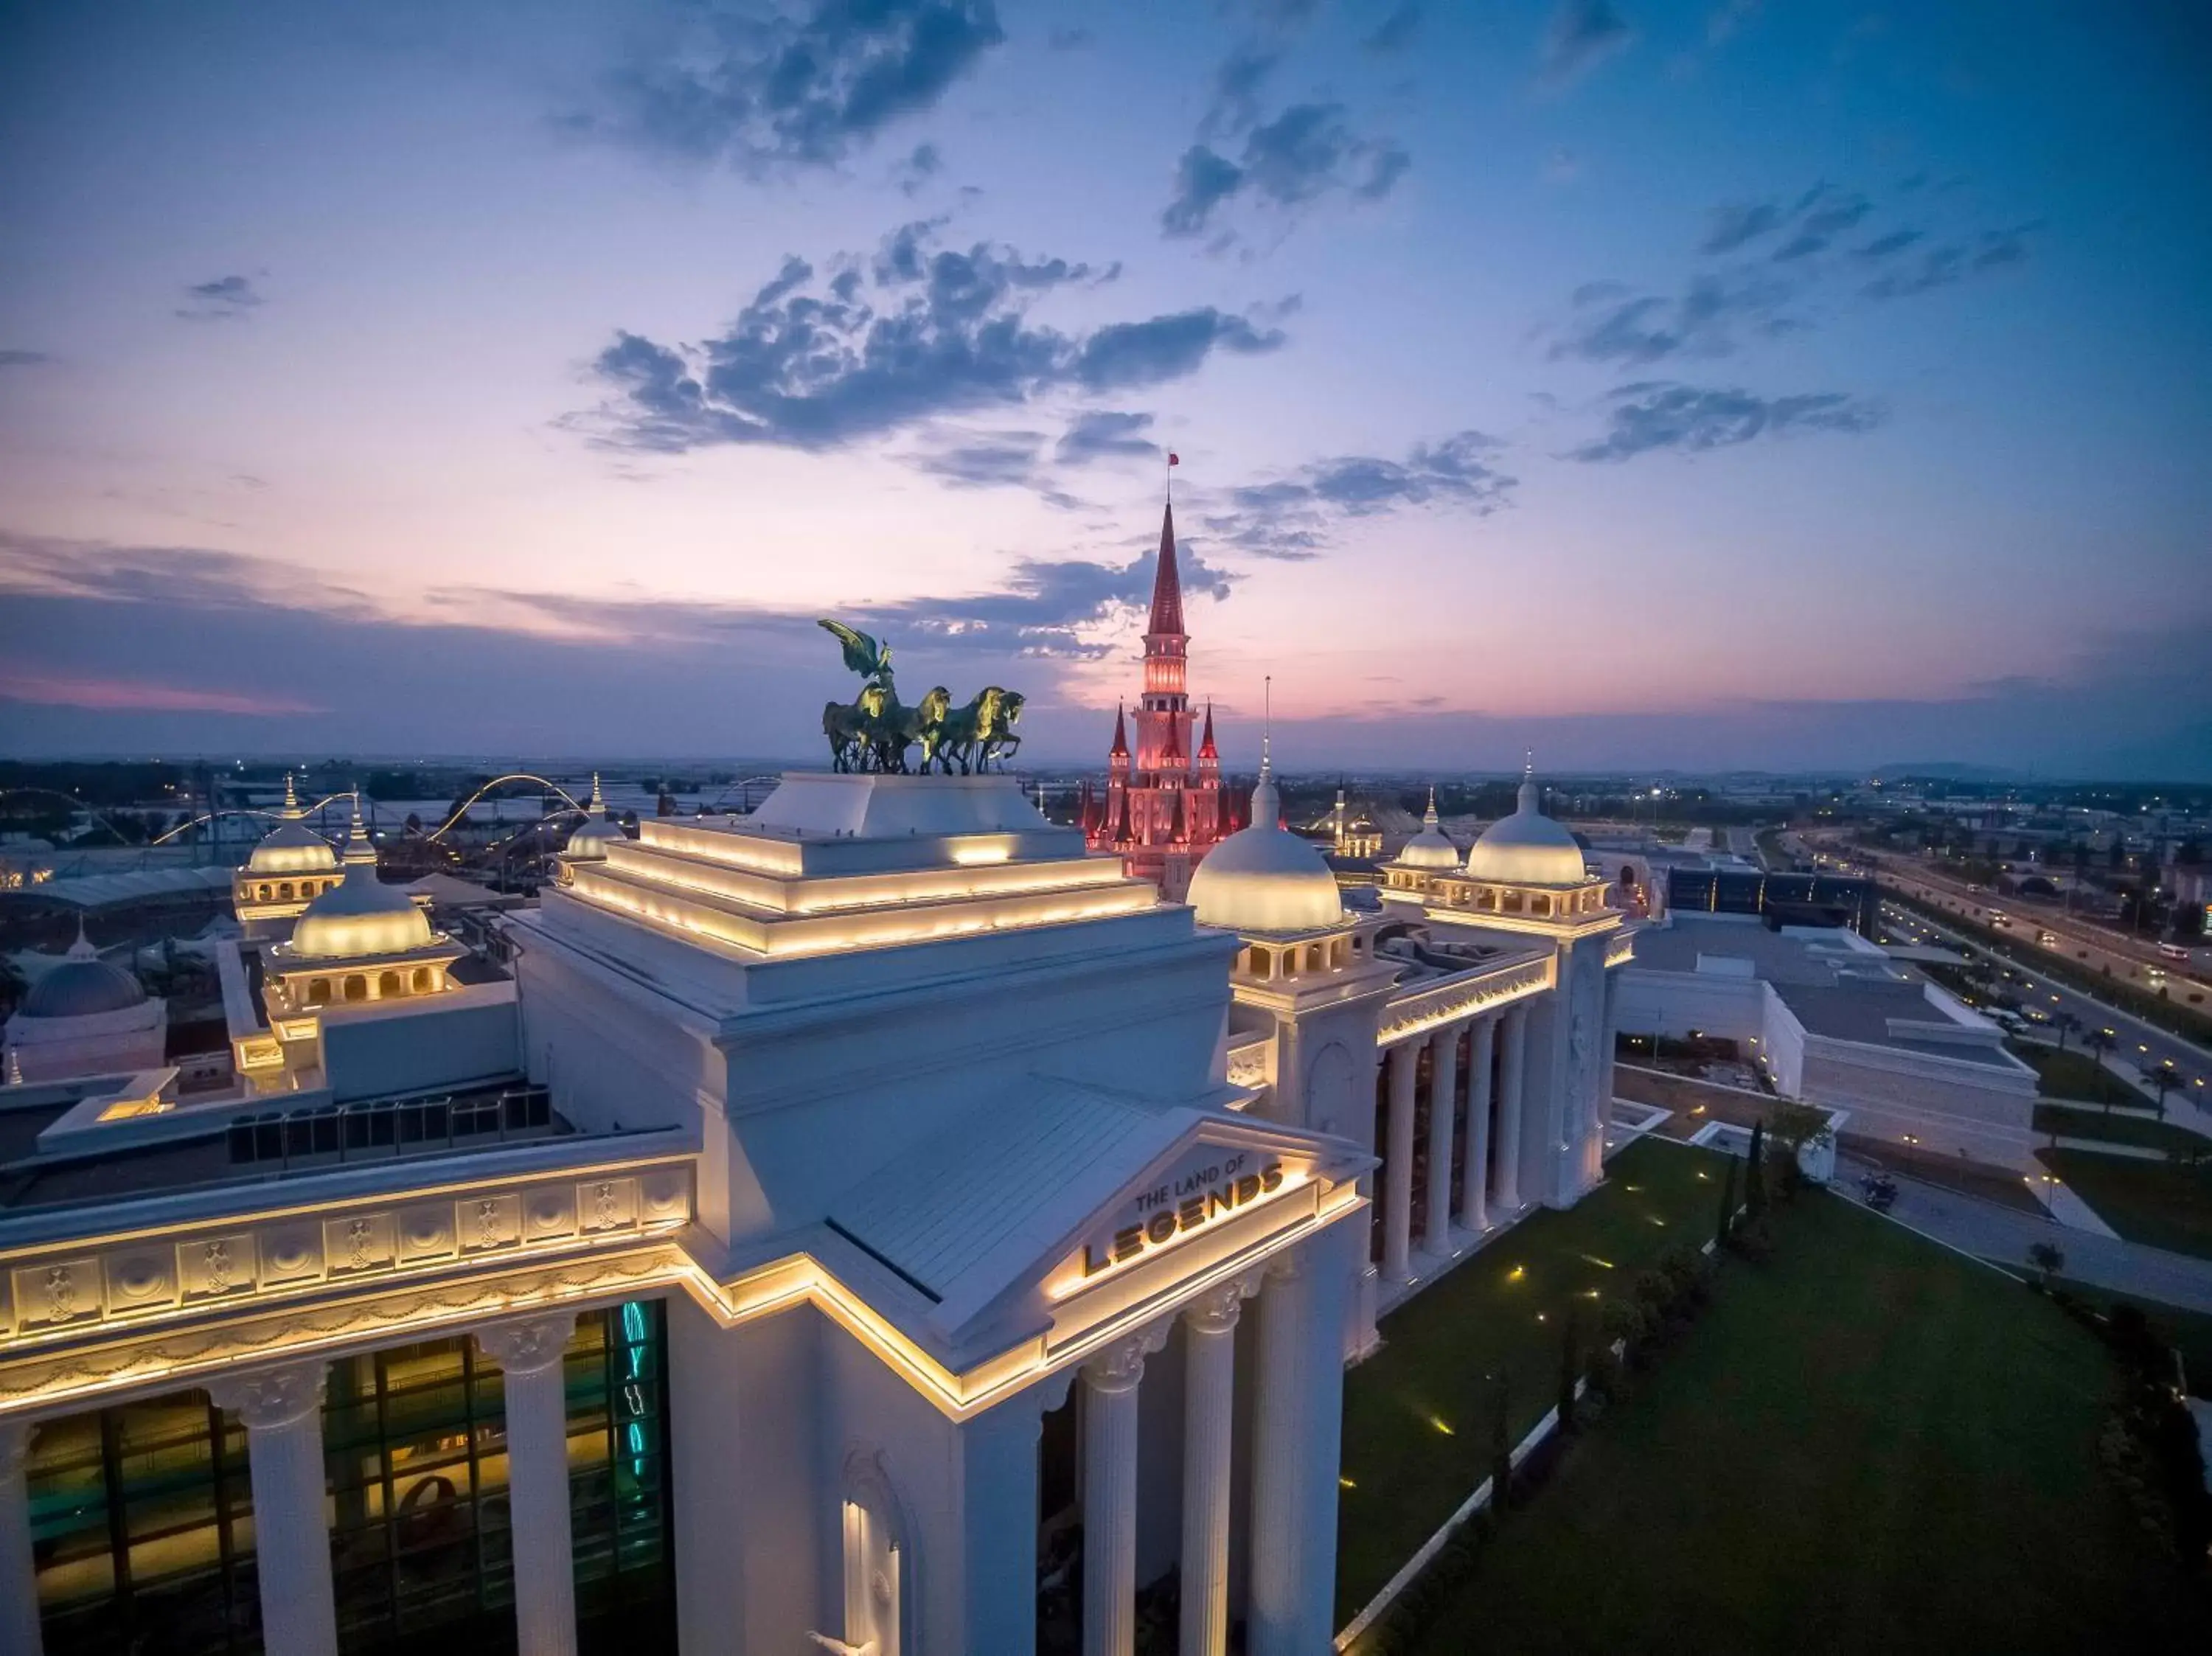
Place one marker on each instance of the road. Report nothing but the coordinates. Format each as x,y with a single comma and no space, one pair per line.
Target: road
2137,1046
1989,1232
2132,960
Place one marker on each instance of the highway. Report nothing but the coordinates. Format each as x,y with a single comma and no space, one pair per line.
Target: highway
2137,1046
2133,961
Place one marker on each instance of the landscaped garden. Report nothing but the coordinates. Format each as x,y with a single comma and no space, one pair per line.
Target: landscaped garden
1419,1416
2164,1203
1866,1442
2085,1121
2074,1075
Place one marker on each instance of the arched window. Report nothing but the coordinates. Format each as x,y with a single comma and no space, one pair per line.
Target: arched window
356,986
388,987
284,892
421,983
319,992
878,1584
264,891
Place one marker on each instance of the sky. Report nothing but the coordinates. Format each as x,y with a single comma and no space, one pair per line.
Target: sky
1661,386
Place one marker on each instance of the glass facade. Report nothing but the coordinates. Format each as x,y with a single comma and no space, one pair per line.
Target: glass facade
143,1515
1788,899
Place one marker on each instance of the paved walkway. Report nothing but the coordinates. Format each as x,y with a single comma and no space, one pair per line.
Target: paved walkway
1982,1228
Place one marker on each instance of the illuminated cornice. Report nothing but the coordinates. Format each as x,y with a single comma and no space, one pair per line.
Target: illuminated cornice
138,1356
1423,1010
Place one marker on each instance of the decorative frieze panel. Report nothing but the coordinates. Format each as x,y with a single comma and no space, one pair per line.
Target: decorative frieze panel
1417,1014
1620,950
62,1290
1253,1064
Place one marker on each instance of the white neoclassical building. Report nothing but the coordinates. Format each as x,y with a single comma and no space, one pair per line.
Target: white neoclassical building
875,1222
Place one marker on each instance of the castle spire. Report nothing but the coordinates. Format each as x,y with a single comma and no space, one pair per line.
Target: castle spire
1207,753
1120,747
1167,584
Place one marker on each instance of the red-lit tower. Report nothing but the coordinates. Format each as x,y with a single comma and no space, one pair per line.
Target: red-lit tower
1163,807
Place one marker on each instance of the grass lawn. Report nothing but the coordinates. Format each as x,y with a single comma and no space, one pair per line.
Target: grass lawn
2160,1202
1866,1444
2189,1333
2081,1121
2074,1075
1418,1415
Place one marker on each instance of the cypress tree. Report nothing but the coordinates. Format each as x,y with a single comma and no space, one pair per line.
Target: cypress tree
1728,1204
1754,1171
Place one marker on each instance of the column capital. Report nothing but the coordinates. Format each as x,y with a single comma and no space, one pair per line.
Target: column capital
1117,1368
15,1434
1215,1311
528,1343
268,1399
1285,1264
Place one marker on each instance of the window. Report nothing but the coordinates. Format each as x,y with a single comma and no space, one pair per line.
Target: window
356,986
388,987
319,992
142,1524
420,980
284,891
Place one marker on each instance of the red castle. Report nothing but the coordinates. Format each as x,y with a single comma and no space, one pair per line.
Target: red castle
1164,808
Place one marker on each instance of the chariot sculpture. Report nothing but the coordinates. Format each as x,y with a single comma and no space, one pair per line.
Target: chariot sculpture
873,731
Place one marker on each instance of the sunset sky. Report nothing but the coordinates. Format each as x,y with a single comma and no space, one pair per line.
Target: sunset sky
1697,385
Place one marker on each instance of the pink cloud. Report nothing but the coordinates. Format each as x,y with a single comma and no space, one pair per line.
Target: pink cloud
110,694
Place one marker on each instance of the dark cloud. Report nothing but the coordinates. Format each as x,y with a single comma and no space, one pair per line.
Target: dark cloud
1940,267
777,90
1895,242
22,359
1582,34
1821,221
145,629
1710,318
918,169
1653,415
1395,32
915,333
1732,225
1070,40
224,299
1293,518
1307,152
1104,434
1237,87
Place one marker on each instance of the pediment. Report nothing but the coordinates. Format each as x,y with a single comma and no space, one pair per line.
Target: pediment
1036,1216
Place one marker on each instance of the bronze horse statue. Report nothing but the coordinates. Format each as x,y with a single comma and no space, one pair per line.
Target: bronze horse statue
873,731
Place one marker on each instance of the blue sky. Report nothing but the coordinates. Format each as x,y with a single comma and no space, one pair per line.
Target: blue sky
1660,385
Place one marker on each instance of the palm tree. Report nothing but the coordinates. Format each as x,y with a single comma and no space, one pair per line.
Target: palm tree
2163,1081
2065,1024
2048,1259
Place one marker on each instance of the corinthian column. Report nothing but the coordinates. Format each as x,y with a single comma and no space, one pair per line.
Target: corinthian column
1444,1072
1209,1376
1474,1183
282,1409
19,1573
1398,1164
1109,1502
1511,1106
529,1354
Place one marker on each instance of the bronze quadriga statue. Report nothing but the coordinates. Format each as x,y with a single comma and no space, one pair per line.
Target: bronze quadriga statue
873,731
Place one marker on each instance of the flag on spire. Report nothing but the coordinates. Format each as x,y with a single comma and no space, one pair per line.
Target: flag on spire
1174,460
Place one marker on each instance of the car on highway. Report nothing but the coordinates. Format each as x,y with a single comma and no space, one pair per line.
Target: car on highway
2174,951
2046,939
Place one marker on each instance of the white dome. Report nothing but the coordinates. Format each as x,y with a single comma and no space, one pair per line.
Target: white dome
1431,847
590,841
1526,848
1264,879
360,915
292,848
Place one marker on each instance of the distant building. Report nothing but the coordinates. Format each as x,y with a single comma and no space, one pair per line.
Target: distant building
1828,1017
1785,898
1163,809
85,1016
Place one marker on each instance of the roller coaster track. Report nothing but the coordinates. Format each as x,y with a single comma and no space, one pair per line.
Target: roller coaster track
498,781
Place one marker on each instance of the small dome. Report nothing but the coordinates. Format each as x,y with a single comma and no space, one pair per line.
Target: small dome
83,987
1526,848
360,915
589,843
292,848
1264,879
1431,847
